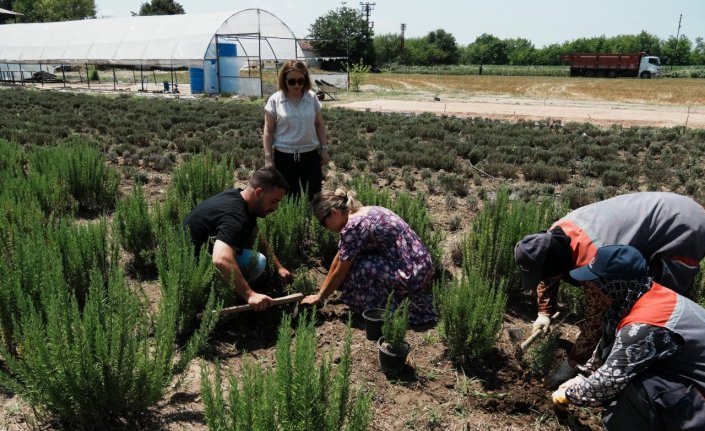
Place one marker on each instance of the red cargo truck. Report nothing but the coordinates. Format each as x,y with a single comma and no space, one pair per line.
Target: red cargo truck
613,65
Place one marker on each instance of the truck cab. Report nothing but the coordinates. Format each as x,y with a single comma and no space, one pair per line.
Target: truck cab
649,67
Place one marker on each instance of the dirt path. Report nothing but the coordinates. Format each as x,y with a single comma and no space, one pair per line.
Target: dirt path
513,109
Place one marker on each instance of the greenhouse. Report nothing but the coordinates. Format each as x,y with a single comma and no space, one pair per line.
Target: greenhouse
223,52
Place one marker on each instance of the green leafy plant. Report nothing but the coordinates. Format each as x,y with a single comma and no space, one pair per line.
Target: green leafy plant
201,177
93,74
358,74
82,170
297,395
83,248
88,367
471,312
288,231
396,323
188,279
303,283
135,228
502,222
541,356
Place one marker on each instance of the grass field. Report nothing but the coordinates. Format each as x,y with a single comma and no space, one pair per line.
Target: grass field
684,91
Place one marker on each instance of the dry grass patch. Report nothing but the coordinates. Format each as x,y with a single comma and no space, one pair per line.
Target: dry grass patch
683,91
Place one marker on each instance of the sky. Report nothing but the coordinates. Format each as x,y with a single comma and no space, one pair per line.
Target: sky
543,22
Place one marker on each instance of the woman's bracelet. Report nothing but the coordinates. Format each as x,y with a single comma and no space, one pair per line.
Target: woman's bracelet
324,147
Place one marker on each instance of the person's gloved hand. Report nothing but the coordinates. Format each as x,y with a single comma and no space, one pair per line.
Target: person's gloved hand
542,323
559,397
574,381
564,372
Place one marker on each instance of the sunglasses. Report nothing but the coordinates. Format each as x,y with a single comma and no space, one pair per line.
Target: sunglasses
292,82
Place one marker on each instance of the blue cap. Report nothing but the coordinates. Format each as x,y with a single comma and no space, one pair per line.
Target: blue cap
615,262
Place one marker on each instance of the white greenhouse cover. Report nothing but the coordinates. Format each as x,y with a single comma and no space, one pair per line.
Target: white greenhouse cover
167,40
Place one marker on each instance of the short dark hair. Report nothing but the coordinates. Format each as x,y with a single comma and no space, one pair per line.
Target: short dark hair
268,178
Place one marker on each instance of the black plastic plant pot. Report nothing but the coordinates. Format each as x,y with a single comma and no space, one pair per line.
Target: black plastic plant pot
374,317
391,363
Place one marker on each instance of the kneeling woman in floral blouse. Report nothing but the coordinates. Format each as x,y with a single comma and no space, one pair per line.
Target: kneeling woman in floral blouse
378,254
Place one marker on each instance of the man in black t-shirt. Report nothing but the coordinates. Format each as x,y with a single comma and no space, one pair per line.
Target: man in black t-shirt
231,218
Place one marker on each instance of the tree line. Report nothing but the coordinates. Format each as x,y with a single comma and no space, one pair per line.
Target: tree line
69,10
345,32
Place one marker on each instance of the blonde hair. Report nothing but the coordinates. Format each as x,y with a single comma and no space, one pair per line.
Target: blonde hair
340,199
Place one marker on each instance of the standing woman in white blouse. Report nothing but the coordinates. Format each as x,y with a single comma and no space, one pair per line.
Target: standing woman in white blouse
294,137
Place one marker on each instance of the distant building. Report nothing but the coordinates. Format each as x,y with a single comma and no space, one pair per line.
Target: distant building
311,56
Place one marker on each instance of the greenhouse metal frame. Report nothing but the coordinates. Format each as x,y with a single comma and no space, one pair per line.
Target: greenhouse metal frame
171,42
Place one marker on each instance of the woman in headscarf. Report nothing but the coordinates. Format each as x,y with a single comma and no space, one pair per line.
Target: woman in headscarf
652,352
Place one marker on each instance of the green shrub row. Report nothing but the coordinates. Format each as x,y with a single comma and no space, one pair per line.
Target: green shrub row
77,342
160,133
289,231
86,365
297,395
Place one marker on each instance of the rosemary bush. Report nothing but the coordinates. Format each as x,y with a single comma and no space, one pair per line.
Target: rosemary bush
92,366
82,170
541,356
496,229
298,395
201,177
325,243
396,323
12,158
83,248
135,227
24,275
288,231
190,280
171,213
471,312
18,219
31,189
303,283
53,196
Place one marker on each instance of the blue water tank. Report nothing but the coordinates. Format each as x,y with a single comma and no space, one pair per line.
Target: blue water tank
210,77
195,75
227,50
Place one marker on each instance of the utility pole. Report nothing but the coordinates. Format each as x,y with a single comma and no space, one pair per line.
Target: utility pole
367,9
675,53
401,47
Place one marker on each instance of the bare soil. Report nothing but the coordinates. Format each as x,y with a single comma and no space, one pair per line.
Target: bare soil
431,393
511,108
